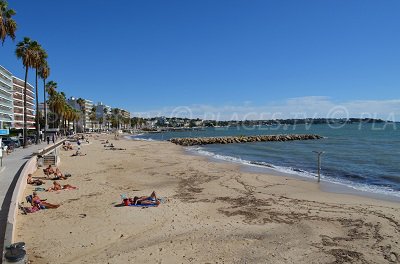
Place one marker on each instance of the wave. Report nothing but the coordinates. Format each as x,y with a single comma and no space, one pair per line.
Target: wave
363,187
139,138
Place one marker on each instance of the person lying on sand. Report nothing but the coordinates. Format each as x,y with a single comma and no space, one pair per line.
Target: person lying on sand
36,201
32,181
59,187
57,175
77,153
67,146
48,171
152,199
116,149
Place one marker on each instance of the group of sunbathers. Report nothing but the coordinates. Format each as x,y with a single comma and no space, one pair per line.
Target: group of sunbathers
143,200
35,200
37,204
57,174
67,146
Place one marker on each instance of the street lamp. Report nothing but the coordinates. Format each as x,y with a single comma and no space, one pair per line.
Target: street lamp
319,163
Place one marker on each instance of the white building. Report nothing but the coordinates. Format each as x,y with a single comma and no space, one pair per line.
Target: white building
6,99
84,122
18,95
102,112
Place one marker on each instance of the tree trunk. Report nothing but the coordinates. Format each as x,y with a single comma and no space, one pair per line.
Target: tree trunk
25,114
37,109
45,109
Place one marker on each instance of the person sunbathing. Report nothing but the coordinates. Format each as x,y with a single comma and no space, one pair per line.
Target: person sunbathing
32,181
42,204
77,153
59,187
58,175
152,199
48,171
67,146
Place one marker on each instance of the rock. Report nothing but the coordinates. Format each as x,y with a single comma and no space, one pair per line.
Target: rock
240,139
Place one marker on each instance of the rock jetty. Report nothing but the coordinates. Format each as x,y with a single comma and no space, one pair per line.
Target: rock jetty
240,139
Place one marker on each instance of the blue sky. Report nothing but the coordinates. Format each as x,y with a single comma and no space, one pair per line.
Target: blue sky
157,55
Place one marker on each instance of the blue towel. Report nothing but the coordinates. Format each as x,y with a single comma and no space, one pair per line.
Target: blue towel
143,205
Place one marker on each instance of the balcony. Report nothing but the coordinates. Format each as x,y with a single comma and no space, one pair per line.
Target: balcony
20,92
21,126
19,98
20,119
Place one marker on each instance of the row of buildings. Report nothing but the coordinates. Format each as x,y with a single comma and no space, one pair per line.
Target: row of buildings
12,106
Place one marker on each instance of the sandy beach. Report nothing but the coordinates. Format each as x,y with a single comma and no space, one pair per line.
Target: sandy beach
212,213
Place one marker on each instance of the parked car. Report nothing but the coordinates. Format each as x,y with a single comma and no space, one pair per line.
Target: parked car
9,143
17,143
15,140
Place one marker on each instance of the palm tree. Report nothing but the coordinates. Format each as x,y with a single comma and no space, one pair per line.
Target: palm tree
117,113
75,118
7,25
44,72
105,119
40,61
81,102
101,123
57,103
27,52
92,115
51,89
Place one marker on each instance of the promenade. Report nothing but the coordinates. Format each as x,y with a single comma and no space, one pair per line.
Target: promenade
9,172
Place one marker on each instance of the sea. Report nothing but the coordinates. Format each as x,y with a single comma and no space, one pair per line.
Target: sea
360,157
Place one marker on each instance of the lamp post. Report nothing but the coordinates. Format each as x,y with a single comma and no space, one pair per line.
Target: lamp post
319,153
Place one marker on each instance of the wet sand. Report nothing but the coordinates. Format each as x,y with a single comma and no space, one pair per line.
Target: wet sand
213,213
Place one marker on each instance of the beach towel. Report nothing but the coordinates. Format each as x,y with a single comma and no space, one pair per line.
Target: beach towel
144,205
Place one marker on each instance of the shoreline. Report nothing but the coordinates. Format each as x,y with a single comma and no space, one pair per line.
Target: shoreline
326,186
214,212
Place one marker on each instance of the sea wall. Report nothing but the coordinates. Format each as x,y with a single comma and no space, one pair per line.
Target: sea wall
28,168
240,139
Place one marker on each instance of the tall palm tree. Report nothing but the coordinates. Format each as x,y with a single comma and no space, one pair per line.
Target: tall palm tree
7,25
51,89
117,114
40,61
81,102
44,73
75,118
57,103
92,115
105,115
27,52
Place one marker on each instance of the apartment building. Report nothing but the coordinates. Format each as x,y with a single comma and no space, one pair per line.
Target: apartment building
84,123
18,96
6,99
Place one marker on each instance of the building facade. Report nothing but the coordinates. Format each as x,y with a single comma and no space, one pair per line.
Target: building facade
18,96
40,109
6,99
103,112
84,123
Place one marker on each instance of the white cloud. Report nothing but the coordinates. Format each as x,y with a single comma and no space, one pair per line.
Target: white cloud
300,107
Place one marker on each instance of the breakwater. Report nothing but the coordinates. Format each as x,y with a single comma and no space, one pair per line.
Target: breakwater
240,139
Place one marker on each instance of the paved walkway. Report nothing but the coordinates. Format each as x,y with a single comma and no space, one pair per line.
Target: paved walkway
12,167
